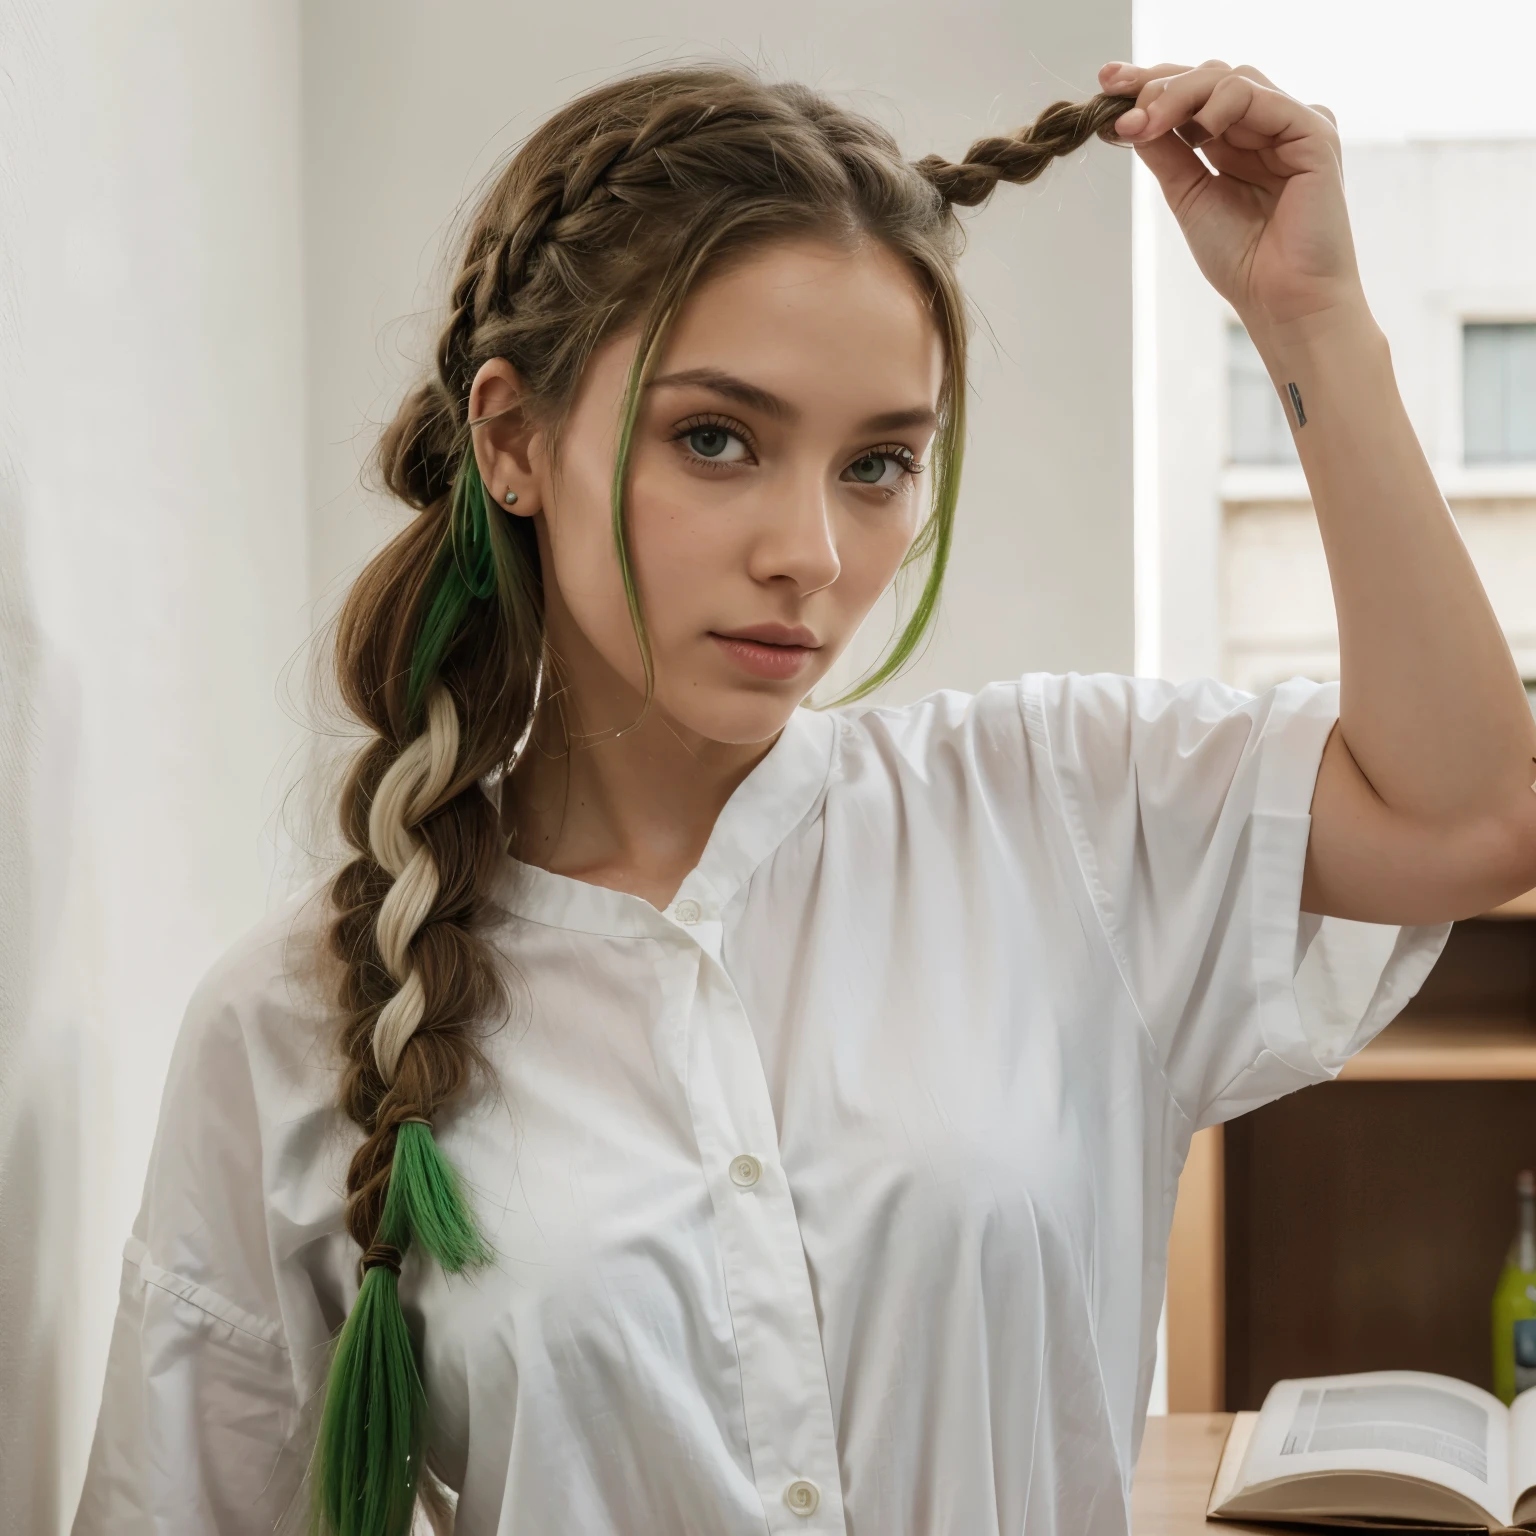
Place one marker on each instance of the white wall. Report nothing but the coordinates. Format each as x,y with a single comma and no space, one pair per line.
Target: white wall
155,489
1185,413
406,110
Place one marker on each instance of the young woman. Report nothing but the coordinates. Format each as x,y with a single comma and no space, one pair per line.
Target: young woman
700,1114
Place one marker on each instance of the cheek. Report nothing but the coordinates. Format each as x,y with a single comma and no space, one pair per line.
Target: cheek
682,553
681,557
873,548
584,563
871,545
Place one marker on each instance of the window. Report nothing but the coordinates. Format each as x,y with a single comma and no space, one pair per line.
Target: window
1258,432
1498,371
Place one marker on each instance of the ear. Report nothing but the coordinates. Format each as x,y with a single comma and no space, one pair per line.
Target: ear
509,448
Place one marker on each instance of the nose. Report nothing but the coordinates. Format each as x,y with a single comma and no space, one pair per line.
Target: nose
797,538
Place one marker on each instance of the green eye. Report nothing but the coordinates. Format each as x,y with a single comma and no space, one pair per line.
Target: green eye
869,470
708,442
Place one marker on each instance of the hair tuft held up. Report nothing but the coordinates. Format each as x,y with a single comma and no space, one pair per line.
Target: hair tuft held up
1020,157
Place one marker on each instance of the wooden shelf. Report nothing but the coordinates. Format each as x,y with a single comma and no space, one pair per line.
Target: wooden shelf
1364,1226
1361,1224
1473,1048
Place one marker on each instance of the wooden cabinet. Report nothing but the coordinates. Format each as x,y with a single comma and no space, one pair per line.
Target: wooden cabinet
1361,1224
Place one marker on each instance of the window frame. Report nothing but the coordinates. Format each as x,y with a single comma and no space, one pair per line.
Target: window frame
1444,404
1468,324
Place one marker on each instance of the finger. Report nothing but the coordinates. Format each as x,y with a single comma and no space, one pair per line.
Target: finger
1194,83
1253,74
1325,111
1131,79
1215,106
1257,116
1165,75
1242,134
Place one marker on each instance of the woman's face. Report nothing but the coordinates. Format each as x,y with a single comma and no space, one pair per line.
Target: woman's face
772,488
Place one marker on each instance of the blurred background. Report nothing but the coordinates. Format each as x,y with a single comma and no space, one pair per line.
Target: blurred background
222,260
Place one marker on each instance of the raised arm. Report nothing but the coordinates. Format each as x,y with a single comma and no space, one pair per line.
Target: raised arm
1424,809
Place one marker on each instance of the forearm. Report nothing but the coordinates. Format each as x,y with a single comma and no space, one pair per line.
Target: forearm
1431,706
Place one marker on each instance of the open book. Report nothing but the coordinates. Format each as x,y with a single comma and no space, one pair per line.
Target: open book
1400,1447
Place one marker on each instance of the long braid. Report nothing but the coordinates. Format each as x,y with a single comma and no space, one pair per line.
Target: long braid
412,786
418,977
599,223
402,1192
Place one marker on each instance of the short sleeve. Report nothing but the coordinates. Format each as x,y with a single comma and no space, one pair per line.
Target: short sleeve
1189,809
199,1425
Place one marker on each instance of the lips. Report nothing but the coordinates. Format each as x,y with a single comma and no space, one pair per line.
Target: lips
773,634
777,658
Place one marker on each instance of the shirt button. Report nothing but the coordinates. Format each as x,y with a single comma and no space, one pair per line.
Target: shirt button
688,912
746,1171
802,1496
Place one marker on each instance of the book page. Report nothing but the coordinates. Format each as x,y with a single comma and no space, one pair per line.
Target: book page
1408,1424
1522,1455
1230,1468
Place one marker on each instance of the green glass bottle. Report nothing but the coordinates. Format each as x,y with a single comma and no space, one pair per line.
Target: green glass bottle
1514,1301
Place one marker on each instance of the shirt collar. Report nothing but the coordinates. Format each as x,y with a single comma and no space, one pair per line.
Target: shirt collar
781,790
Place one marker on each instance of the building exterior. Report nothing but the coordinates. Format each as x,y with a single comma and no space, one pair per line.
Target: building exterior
1445,232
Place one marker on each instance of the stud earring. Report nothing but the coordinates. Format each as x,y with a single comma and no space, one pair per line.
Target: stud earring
510,498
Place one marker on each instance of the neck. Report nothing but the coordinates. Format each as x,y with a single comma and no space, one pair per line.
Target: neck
633,810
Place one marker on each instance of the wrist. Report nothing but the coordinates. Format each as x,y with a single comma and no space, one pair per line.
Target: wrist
1349,323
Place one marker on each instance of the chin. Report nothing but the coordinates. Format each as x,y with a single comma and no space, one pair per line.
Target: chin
735,714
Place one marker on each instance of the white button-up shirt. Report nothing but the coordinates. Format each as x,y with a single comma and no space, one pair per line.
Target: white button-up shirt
833,1198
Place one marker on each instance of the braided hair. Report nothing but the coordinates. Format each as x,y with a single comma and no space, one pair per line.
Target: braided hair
602,221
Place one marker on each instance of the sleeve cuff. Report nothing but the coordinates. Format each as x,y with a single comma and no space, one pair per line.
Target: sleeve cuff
1325,986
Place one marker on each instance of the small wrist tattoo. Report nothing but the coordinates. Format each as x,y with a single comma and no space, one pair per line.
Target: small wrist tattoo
1295,394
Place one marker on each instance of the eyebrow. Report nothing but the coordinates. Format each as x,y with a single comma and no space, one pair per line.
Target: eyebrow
769,404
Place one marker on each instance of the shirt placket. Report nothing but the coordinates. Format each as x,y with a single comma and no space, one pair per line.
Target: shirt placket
786,1397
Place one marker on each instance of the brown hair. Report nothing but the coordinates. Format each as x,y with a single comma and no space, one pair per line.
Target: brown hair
602,221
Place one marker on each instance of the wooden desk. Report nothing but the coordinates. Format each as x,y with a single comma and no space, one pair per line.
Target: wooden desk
1173,1478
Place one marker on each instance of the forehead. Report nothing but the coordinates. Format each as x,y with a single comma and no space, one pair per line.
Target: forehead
822,325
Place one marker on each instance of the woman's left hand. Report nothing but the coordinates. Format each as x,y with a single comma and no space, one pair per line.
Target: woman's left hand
1271,231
